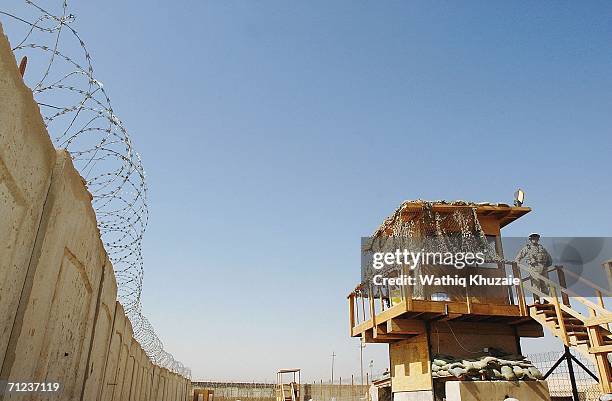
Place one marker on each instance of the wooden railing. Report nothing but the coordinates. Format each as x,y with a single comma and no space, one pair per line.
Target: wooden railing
365,303
561,296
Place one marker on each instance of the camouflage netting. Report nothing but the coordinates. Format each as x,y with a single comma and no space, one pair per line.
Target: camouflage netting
417,227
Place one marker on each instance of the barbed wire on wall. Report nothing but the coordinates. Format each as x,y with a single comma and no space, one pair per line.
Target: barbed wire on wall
79,117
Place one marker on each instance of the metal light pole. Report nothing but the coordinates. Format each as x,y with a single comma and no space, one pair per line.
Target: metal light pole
371,368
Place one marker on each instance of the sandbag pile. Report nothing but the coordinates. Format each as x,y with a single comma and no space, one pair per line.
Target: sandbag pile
509,368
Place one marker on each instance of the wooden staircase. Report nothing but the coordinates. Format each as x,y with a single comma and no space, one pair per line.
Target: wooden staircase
588,333
576,331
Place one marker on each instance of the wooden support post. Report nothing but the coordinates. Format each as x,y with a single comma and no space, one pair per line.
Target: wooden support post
351,301
363,305
468,300
603,366
407,295
607,267
356,303
559,312
402,287
600,302
372,306
562,284
520,292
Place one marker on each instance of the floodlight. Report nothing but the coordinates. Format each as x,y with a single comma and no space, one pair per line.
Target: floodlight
519,197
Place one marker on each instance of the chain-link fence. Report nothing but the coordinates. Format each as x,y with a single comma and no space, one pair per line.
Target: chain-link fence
559,382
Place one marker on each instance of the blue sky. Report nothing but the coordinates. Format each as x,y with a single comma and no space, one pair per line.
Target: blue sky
275,134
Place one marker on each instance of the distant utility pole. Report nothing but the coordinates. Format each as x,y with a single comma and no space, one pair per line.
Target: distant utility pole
361,347
333,356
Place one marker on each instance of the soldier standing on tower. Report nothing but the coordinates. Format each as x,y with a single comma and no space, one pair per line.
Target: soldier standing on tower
538,259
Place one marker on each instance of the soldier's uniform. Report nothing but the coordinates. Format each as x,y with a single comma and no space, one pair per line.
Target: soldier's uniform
539,260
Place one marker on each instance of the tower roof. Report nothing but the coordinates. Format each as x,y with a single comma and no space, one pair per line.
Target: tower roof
502,212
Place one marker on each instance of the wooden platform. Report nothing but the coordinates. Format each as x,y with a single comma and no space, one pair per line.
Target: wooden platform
406,319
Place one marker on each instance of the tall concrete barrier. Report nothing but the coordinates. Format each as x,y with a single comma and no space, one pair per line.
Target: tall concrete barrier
129,369
156,384
27,158
137,374
175,387
162,390
113,356
145,394
99,353
59,318
159,385
124,357
54,323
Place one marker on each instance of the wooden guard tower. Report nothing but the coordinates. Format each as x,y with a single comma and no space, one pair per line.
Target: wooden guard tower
417,328
288,385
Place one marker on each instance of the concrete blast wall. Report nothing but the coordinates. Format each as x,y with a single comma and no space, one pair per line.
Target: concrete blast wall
59,319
